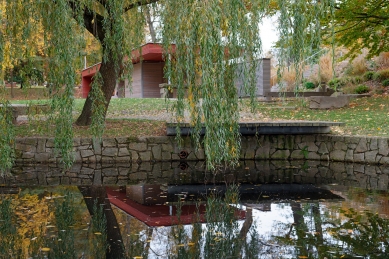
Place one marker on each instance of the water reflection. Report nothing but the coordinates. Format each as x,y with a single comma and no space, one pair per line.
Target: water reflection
306,210
181,172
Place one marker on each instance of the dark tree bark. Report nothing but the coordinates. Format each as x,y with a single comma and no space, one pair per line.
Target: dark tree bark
247,223
12,84
318,222
109,75
93,192
301,227
93,23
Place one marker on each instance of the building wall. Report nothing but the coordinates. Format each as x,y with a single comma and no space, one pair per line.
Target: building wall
152,76
266,75
263,78
86,85
135,90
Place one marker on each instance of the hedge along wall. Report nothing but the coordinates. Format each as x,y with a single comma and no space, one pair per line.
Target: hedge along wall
360,149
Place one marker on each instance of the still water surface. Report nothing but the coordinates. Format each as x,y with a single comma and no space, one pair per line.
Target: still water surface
176,210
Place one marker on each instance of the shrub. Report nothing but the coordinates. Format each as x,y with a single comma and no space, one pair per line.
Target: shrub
288,79
383,60
338,82
385,82
379,90
368,75
357,66
356,80
309,85
325,64
362,89
381,75
334,83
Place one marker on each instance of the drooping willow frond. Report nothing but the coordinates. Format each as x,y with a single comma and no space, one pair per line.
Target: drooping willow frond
215,43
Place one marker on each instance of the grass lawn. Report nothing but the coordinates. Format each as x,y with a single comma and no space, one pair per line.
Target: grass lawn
113,128
364,116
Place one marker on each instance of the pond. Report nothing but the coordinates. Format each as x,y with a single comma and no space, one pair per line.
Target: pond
263,209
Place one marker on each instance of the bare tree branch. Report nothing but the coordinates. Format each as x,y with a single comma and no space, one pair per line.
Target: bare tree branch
139,3
93,21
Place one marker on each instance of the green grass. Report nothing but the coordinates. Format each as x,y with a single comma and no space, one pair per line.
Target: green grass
364,116
114,128
123,107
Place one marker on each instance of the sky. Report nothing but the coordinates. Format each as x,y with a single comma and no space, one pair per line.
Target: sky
269,33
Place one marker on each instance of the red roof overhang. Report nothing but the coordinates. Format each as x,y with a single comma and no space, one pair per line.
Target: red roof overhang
149,52
152,52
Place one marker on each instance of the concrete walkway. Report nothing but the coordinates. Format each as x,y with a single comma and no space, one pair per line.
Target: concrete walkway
270,127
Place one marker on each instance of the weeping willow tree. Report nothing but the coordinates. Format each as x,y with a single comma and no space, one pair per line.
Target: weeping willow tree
300,25
215,42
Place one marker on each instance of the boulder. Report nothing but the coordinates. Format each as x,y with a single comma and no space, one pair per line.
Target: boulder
328,102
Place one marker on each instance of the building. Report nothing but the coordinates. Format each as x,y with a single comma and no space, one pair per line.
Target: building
148,74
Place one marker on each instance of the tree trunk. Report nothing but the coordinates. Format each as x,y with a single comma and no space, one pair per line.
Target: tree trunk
12,84
109,75
150,23
114,237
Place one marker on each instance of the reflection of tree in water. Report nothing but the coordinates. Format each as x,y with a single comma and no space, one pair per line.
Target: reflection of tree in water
44,222
136,235
364,234
314,235
313,232
96,199
305,236
223,236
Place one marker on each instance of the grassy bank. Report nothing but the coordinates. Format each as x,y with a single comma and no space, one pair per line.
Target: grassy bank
141,117
363,116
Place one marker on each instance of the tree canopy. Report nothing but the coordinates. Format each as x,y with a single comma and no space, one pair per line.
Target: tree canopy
360,24
212,38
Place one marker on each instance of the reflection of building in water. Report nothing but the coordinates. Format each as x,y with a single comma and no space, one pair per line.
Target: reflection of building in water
146,194
9,190
152,205
260,206
160,205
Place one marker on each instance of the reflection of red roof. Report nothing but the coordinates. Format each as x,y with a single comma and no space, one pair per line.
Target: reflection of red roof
158,215
148,52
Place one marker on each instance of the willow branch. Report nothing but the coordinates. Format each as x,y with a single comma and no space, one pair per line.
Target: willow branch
350,27
139,3
367,16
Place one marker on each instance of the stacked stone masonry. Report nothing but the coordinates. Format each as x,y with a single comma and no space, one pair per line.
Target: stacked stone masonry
356,149
364,176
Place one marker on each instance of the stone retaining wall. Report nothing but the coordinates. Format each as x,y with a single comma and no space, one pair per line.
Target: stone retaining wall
372,150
